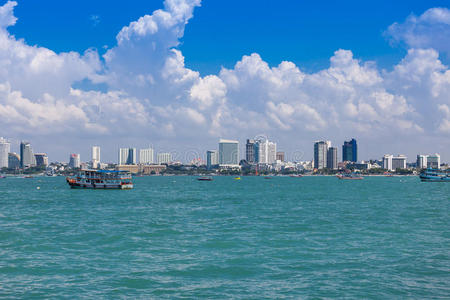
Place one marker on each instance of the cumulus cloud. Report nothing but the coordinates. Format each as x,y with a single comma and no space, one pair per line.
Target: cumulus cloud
151,94
429,30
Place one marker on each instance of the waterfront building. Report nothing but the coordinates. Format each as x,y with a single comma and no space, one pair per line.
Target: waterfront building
13,160
387,162
320,154
27,158
228,153
127,156
95,157
41,159
5,148
280,156
164,158
350,151
399,162
265,152
421,162
332,158
434,161
146,156
74,161
250,151
212,159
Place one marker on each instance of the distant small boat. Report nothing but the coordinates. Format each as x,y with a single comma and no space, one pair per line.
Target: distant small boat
267,177
295,176
28,176
237,178
388,174
205,178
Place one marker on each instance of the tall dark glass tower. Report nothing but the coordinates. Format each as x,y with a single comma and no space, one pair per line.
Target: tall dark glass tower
350,151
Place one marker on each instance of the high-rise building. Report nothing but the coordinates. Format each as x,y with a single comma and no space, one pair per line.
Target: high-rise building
320,154
332,158
164,158
13,160
398,162
41,159
5,148
75,161
250,151
228,153
434,161
95,157
265,152
350,151
127,156
27,158
387,162
212,159
146,156
280,156
422,161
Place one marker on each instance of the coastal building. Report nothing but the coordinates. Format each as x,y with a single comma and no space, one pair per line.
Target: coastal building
280,156
95,157
164,158
142,169
27,158
5,148
212,159
13,160
265,152
228,153
399,162
74,161
127,156
421,162
250,151
146,156
434,161
350,151
387,162
332,158
41,159
320,154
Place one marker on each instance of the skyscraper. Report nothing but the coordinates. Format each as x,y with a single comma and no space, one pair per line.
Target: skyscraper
421,162
398,162
387,162
265,152
434,161
228,153
320,154
332,158
95,157
164,158
250,151
41,159
146,156
74,161
212,159
13,160
27,158
350,151
127,156
280,156
5,148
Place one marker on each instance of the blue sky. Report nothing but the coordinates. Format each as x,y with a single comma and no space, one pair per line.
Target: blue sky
180,74
304,32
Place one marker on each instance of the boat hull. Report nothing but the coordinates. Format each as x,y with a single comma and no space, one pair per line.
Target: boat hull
76,185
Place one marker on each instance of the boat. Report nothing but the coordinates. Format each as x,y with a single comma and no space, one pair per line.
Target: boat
432,175
237,178
350,176
388,174
267,177
101,179
205,178
296,175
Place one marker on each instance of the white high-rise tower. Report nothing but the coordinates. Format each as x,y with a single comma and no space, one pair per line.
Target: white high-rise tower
5,148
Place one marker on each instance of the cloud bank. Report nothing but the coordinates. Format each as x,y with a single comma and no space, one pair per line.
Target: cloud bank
152,96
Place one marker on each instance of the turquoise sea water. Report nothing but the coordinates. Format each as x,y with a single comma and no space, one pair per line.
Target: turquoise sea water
176,237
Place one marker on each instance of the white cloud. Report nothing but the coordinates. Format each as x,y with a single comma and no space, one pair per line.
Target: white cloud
429,30
152,95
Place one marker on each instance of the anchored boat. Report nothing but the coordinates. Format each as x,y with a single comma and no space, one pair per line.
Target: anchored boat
101,179
432,175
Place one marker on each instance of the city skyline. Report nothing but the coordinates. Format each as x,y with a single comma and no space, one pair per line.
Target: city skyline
144,85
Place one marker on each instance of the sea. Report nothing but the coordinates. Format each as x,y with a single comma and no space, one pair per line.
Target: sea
173,237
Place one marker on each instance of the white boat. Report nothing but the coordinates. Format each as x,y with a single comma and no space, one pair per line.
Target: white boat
101,179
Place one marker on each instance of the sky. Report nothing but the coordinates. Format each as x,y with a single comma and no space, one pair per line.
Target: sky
180,74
